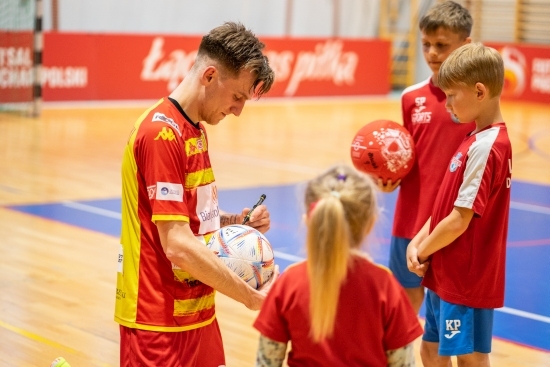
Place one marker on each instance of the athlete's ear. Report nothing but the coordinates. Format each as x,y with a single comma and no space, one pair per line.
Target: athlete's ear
208,74
481,91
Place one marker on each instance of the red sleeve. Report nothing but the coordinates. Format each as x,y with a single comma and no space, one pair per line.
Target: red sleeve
271,322
405,116
161,160
401,325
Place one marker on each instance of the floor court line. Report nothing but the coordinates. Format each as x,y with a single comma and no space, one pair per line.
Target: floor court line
527,315
92,209
112,214
42,340
294,258
530,207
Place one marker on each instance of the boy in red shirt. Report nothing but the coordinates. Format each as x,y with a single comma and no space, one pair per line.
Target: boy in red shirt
461,249
436,134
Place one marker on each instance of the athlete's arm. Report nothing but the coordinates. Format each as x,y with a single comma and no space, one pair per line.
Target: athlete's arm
187,252
402,357
270,353
446,231
259,218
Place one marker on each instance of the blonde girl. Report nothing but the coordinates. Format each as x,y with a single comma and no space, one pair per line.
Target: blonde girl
337,308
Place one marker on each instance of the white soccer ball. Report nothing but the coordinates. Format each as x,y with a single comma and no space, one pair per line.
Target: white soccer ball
245,251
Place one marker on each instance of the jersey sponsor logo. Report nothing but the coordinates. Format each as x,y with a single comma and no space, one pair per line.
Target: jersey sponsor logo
455,162
151,191
452,326
120,294
167,120
120,262
169,191
207,210
166,134
208,215
419,114
419,101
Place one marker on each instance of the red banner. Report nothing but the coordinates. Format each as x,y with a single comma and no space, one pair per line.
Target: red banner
328,67
527,71
16,66
107,67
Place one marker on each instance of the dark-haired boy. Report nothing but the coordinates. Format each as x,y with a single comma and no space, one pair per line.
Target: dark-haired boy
465,237
436,134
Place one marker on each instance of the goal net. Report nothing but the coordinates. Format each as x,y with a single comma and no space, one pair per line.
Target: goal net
17,55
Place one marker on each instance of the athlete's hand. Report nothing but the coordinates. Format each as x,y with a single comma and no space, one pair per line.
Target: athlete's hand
264,290
388,186
259,218
413,262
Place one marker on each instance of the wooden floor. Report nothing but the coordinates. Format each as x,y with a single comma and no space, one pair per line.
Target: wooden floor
57,282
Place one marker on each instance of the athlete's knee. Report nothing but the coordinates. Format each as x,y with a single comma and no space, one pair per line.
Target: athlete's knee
474,359
427,350
430,357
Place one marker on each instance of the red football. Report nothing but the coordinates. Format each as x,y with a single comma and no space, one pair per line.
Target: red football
384,149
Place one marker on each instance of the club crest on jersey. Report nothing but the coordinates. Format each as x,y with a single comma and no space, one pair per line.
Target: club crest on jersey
151,191
456,162
167,120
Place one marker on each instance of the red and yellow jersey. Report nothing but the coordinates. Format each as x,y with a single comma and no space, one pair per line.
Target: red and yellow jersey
166,175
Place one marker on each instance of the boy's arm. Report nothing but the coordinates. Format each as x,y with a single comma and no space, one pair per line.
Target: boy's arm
413,263
389,186
446,231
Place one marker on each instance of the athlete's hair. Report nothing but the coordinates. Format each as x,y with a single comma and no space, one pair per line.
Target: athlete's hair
341,206
448,15
470,64
237,48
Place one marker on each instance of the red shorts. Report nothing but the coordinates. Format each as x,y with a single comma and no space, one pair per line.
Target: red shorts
200,347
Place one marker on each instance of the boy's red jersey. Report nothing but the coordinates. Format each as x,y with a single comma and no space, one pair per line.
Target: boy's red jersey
436,136
470,270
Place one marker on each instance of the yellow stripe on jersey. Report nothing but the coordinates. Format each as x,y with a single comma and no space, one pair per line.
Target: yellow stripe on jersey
192,306
135,325
182,275
169,217
127,280
199,178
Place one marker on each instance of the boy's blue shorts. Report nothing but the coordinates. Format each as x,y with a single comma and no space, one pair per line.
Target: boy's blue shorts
458,329
398,263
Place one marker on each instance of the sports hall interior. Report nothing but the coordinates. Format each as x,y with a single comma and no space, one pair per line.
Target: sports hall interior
60,160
